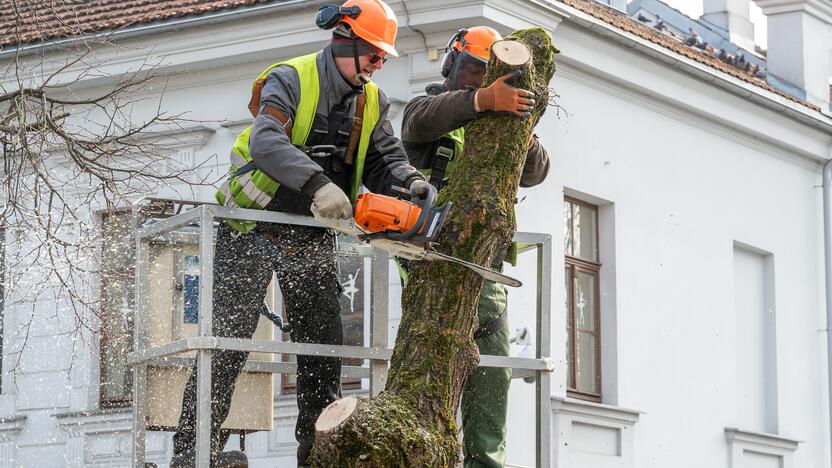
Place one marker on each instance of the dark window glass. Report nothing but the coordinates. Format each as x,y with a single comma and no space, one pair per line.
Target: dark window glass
582,271
117,307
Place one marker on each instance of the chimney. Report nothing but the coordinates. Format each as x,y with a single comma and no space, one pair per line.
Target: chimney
734,17
800,45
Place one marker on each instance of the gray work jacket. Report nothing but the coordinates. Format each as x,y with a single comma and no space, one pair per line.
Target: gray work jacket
428,118
385,165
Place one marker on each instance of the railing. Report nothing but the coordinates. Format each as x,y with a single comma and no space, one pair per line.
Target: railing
377,353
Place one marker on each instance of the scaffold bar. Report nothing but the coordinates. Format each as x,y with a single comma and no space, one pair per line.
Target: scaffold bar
170,224
203,347
263,216
308,349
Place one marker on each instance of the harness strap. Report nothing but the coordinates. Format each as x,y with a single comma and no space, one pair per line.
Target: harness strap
445,148
286,122
248,167
355,134
276,320
277,114
254,107
492,326
281,117
254,103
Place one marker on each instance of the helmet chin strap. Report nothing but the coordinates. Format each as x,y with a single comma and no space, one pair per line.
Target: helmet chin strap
359,75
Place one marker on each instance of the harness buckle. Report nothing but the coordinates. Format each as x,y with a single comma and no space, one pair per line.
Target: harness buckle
445,152
319,151
442,157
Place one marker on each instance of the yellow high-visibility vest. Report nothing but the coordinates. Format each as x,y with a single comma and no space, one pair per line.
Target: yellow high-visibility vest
255,189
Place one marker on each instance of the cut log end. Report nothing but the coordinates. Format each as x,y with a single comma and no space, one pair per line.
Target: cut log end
513,53
335,414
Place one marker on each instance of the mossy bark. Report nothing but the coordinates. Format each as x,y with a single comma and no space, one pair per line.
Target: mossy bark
412,423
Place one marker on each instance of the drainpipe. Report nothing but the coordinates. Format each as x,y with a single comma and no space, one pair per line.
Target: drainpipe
827,241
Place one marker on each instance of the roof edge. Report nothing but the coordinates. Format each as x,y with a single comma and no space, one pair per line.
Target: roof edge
173,24
818,119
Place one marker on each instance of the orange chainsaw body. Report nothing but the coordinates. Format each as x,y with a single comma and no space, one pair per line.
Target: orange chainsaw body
380,213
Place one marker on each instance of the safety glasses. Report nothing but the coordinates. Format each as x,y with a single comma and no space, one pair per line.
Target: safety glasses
374,59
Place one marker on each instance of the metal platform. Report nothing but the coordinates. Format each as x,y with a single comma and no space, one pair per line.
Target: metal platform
203,218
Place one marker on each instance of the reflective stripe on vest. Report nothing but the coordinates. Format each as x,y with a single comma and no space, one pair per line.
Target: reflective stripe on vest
255,189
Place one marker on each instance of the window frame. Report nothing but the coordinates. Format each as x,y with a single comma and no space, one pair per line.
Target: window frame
156,208
573,265
103,402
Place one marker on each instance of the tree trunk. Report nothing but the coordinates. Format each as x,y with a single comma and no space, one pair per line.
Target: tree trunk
413,423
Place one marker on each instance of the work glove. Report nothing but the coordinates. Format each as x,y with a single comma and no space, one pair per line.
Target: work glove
331,202
502,97
419,188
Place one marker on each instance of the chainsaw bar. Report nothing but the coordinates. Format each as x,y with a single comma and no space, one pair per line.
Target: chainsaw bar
415,251
412,251
486,273
414,242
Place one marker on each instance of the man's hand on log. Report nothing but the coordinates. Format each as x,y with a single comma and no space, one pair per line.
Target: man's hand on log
502,97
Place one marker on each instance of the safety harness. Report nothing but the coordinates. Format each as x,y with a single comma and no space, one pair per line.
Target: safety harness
443,155
249,187
286,123
492,326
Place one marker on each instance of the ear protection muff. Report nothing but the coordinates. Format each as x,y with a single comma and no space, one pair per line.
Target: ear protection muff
450,56
329,15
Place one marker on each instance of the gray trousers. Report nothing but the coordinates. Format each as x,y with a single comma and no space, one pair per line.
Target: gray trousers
307,272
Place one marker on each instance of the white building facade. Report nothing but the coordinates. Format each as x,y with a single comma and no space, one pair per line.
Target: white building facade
686,212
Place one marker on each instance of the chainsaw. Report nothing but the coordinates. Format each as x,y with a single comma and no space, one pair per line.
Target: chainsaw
405,229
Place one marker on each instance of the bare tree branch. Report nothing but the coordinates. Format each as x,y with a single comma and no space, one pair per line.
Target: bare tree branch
68,151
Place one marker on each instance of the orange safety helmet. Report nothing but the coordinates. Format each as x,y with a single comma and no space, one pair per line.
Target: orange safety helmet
474,42
375,24
477,42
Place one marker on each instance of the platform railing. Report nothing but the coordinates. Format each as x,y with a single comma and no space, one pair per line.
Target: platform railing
377,353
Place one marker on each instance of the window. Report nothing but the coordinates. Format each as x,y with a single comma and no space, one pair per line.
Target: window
117,264
582,273
117,259
755,327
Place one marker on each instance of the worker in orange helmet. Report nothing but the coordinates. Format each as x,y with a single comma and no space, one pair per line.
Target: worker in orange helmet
320,131
433,134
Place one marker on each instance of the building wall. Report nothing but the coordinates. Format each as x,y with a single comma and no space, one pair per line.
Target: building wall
684,190
683,172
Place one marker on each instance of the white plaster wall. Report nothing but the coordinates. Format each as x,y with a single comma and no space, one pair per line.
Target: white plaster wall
682,195
686,168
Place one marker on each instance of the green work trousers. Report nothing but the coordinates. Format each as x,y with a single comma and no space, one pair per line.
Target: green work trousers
485,395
